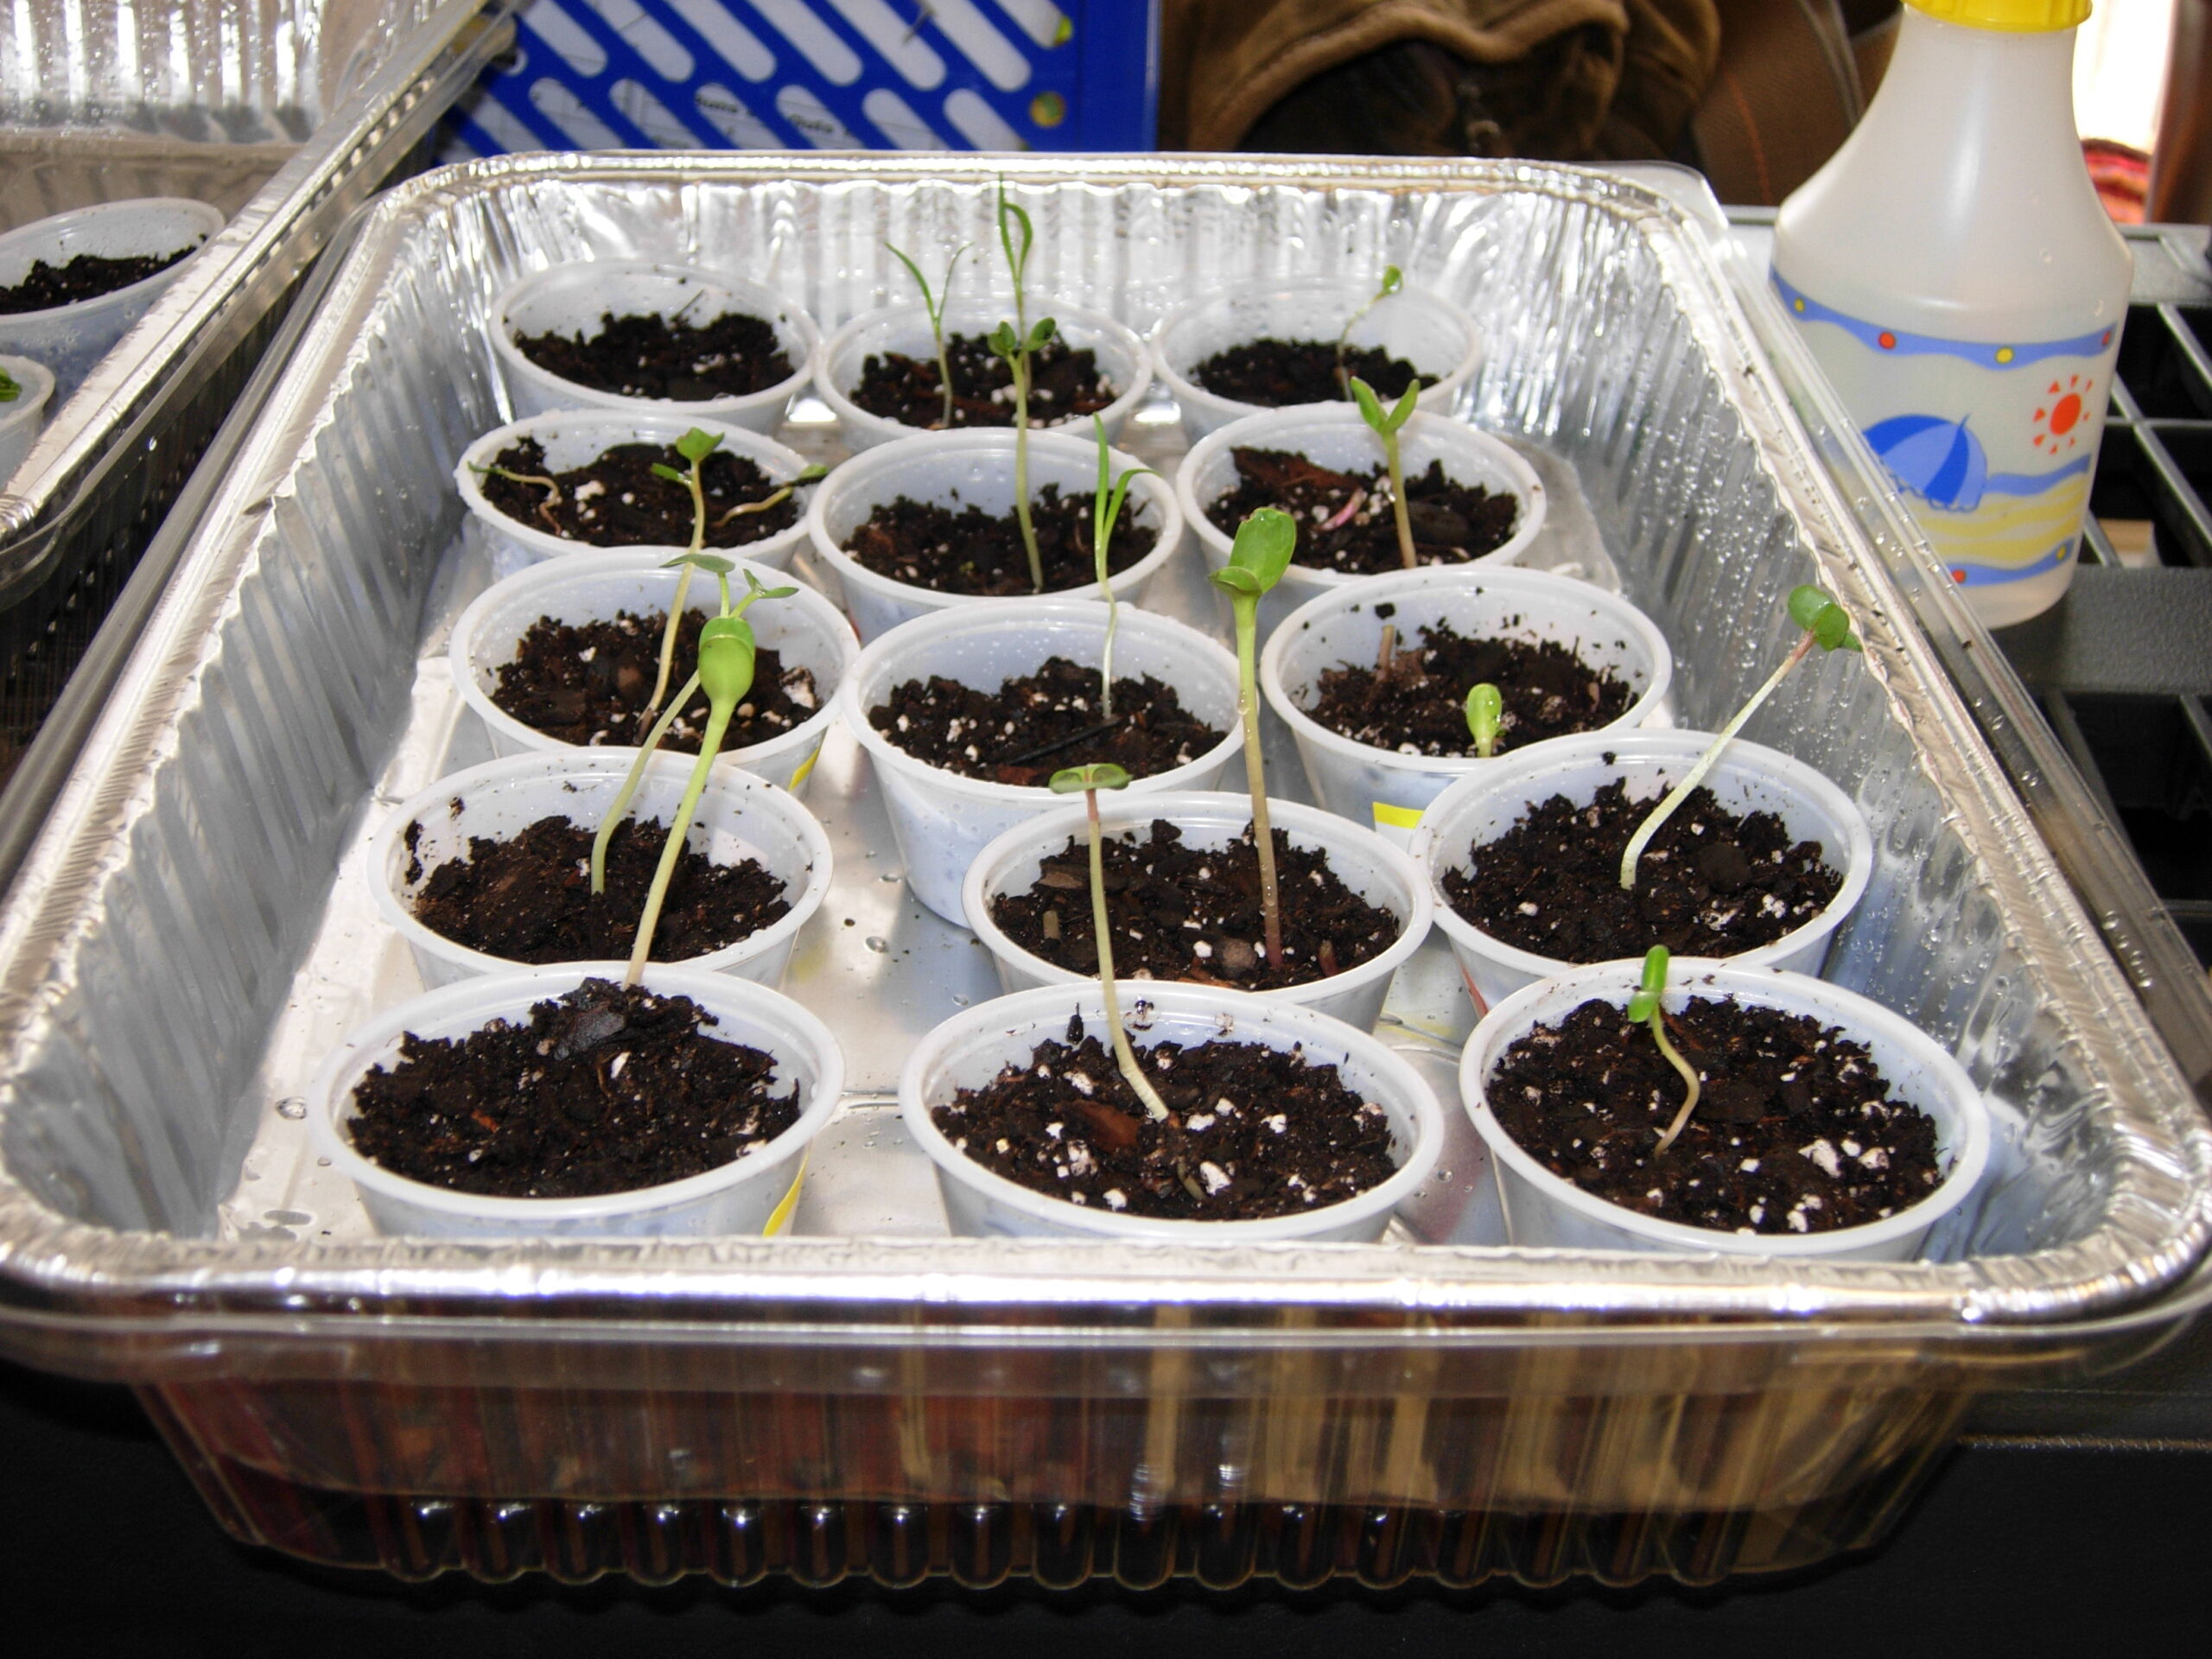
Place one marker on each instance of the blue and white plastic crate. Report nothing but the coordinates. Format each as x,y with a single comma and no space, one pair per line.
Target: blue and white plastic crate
828,74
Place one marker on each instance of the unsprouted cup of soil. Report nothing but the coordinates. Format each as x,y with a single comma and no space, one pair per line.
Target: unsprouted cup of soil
959,677
1181,875
1472,498
563,655
1828,1126
1271,344
1361,1141
485,871
1761,870
1383,731
647,339
643,1116
927,524
555,485
72,285
22,414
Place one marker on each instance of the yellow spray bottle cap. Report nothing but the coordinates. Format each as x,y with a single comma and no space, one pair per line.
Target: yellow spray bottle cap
2017,16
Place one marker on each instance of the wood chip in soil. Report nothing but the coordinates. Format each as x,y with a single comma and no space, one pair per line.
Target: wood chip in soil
734,355
1252,1131
616,500
1711,883
528,898
1038,724
1415,701
1796,1132
1345,522
607,1089
1066,385
586,682
1185,912
967,550
1278,373
85,278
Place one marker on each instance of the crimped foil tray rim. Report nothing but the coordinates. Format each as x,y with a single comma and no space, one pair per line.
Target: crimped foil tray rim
2154,1227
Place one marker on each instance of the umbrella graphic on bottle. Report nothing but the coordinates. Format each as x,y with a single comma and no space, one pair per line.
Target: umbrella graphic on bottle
1939,460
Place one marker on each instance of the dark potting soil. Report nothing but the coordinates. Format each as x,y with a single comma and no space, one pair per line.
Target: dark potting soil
1415,701
1277,373
85,278
1346,521
529,897
1252,1131
1066,384
616,500
1193,913
651,356
1711,883
1794,1131
971,551
586,682
605,1089
1035,726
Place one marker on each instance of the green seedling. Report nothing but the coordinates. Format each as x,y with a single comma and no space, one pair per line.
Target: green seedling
775,498
1485,713
1392,280
728,650
695,447
1261,554
551,486
10,391
1828,625
935,304
1017,343
1105,774
1105,508
1386,424
1644,1008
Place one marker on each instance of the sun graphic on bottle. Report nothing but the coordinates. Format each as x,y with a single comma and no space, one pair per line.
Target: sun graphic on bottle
2058,420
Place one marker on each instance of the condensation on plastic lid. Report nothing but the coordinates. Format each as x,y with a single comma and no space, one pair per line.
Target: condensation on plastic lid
2018,16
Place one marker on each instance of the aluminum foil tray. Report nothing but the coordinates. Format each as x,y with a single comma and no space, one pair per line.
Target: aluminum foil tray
866,1394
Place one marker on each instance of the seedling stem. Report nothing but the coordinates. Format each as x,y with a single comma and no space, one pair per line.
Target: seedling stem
695,447
1262,552
1105,508
935,306
1644,1006
1387,425
1105,774
1017,343
1392,280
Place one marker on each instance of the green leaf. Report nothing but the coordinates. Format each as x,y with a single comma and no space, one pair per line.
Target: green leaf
10,391
1806,603
670,474
1404,411
695,446
753,587
1237,583
1004,342
1371,407
1644,1005
1265,541
1392,280
812,474
929,302
1040,333
1829,623
1100,774
708,562
726,651
1485,708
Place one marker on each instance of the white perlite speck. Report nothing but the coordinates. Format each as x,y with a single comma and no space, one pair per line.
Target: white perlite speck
1824,1155
1211,1174
1116,1199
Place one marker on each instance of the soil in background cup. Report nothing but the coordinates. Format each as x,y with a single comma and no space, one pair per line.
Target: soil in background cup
1545,1212
1332,435
1748,777
1122,356
739,816
573,299
973,468
69,339
941,819
576,437
806,629
746,1196
23,420
1435,335
1363,861
1390,791
969,1050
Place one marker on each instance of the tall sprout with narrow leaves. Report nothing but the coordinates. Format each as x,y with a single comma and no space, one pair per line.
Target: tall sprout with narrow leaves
1485,714
1017,343
1386,423
1089,780
1828,625
1392,280
1105,508
935,304
1261,553
1644,1008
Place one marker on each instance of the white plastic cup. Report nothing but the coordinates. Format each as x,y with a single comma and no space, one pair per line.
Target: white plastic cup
69,339
21,420
1545,1212
1429,332
942,819
1363,861
1747,778
571,300
739,816
1370,785
1333,436
970,1049
1122,356
805,629
573,438
973,469
739,1197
